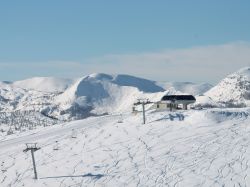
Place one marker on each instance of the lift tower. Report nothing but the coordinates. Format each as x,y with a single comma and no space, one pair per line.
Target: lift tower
32,147
143,102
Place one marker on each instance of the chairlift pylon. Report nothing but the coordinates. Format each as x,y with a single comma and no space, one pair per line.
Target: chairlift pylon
120,120
73,133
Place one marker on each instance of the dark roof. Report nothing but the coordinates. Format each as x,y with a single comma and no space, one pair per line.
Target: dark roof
178,97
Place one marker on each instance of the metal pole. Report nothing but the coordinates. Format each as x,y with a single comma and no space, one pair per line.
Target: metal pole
143,111
34,163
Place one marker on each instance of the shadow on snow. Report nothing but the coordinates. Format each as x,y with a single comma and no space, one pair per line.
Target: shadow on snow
94,176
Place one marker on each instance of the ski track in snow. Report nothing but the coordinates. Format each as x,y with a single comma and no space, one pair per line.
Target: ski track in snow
167,151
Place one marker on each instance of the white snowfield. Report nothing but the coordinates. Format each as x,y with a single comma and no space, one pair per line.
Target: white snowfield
185,148
205,147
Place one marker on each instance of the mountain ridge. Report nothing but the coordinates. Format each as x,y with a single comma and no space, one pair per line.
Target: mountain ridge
100,93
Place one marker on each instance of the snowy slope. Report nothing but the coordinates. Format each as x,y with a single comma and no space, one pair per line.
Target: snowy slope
66,99
14,98
45,84
234,90
98,94
206,147
186,87
190,148
102,93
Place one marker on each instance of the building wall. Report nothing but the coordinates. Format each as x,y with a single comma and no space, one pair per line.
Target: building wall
164,106
160,106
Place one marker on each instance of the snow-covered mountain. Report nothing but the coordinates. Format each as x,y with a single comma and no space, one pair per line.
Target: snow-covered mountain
232,91
187,87
207,147
102,93
98,94
66,99
44,84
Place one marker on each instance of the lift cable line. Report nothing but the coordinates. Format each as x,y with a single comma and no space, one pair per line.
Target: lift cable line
143,102
32,147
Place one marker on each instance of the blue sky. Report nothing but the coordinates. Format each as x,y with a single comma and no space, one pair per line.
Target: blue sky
49,37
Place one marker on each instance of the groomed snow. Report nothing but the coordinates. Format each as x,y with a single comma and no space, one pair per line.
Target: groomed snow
186,148
205,147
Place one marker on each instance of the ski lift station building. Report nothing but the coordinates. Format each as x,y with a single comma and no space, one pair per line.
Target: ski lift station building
174,102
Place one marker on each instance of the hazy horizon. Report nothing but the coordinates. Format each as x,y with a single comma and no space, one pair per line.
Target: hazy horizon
165,41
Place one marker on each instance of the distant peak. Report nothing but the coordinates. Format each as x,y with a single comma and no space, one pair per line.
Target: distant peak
245,70
7,82
100,76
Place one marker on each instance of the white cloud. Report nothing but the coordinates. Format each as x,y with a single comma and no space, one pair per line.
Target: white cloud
197,64
48,64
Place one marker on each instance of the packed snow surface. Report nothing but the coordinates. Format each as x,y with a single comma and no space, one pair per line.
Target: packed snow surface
111,147
185,148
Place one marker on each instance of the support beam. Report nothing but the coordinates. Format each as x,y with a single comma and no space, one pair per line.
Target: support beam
34,163
143,111
143,102
32,148
184,106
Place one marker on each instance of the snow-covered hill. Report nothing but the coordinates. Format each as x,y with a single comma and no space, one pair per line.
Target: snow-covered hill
45,84
66,99
187,87
188,148
98,94
205,147
233,91
102,93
